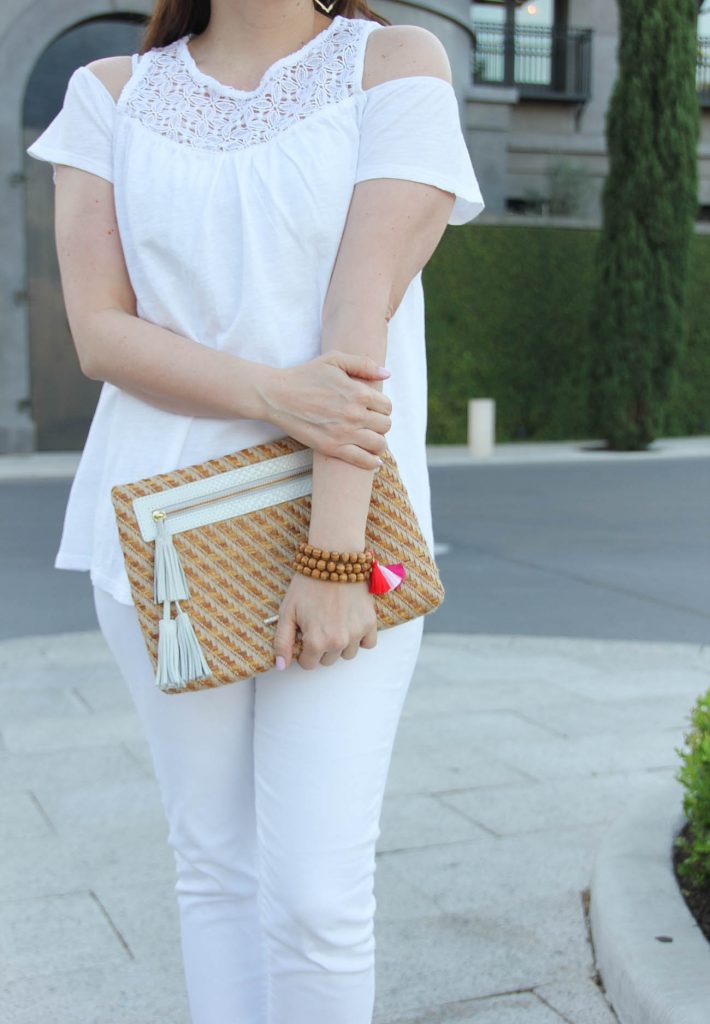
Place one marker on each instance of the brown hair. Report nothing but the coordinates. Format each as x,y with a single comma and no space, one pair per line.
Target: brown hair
172,19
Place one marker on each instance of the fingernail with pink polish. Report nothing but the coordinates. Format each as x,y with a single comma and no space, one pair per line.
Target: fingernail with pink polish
383,369
280,663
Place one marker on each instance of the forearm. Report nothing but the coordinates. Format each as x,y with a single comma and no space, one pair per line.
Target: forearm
341,492
390,232
172,371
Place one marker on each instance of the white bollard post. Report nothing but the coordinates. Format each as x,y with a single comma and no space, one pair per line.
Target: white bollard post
481,427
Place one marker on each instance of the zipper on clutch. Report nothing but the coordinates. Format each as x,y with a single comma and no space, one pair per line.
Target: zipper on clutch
230,492
180,657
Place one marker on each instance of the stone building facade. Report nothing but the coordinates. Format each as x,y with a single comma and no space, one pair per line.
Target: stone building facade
533,99
539,135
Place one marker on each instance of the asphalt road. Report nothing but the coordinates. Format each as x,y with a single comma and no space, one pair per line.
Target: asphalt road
605,550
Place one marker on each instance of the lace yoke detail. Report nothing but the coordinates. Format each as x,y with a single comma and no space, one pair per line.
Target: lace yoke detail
171,99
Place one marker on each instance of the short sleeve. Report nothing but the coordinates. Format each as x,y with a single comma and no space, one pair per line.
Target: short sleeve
411,128
82,132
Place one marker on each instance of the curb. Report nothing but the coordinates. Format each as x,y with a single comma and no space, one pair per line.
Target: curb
516,453
634,899
63,465
39,466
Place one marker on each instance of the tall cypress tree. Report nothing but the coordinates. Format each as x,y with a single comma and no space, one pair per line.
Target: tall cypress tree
649,203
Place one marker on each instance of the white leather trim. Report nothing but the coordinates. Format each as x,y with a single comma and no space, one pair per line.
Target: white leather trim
228,507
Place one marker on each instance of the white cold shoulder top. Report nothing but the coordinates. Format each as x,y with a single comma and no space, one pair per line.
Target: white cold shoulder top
230,206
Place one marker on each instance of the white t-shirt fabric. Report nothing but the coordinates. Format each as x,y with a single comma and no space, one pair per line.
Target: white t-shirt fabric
231,205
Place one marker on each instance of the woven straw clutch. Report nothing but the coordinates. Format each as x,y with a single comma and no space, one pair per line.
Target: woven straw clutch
217,541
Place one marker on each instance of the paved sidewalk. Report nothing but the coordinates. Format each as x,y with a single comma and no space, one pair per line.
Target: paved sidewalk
514,754
60,465
527,452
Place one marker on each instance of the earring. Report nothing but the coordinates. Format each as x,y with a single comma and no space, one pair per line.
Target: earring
323,7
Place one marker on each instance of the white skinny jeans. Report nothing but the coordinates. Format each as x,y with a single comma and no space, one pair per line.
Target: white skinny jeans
272,789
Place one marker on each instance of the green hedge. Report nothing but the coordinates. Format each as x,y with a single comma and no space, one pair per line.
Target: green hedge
507,312
694,774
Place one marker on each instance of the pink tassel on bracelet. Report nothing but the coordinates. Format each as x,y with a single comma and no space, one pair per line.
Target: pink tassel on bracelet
384,578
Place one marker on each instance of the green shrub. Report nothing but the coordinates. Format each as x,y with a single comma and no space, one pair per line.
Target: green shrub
568,187
649,200
694,774
507,313
688,410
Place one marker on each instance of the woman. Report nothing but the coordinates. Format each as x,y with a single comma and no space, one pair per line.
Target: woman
243,211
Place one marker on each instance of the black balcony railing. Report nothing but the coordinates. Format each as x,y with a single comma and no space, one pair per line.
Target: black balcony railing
552,63
541,62
702,72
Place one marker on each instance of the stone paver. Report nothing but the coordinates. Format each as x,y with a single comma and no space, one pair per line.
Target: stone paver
524,1006
48,934
149,992
513,756
577,999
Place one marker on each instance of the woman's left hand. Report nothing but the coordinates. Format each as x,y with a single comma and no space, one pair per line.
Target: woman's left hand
335,619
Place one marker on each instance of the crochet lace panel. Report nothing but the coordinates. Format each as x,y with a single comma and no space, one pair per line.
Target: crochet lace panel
173,98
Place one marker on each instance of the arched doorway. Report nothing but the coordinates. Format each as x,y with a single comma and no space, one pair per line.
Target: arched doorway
62,399
26,30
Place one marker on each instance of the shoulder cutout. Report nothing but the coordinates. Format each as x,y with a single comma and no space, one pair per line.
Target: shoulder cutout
112,72
398,51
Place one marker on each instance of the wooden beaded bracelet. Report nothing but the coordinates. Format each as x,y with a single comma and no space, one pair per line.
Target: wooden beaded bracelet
341,567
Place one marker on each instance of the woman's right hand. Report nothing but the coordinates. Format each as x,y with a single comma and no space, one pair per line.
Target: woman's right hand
326,404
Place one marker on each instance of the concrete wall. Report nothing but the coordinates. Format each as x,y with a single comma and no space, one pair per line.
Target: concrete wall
520,139
540,132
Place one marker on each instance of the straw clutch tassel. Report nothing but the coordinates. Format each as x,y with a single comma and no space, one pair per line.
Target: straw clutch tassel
215,542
